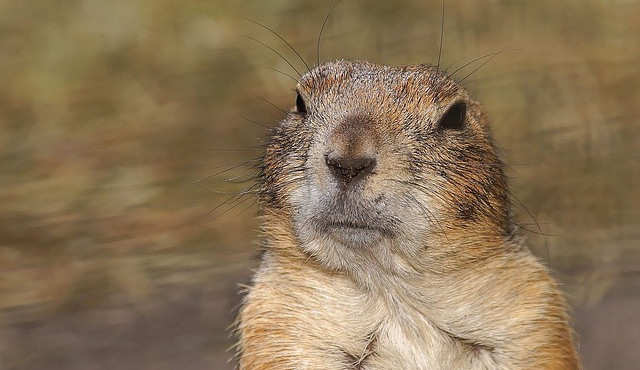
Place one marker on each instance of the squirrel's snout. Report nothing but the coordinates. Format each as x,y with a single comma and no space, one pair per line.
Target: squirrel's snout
348,169
352,150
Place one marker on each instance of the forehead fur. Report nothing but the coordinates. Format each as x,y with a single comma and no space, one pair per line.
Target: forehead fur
404,84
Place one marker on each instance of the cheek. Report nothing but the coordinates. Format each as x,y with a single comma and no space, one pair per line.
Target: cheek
284,168
317,169
420,212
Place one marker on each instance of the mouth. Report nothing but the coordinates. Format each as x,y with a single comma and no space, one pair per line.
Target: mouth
349,220
349,225
356,234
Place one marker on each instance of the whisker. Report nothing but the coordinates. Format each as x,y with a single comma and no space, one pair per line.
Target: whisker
441,36
544,236
485,164
429,215
453,175
477,68
451,65
485,62
256,122
273,105
231,198
443,163
284,73
252,204
283,40
322,29
235,199
469,63
490,55
234,180
226,170
238,203
247,190
422,188
275,51
522,226
234,150
218,192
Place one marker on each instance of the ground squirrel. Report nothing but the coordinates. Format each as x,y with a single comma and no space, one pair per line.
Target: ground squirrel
388,238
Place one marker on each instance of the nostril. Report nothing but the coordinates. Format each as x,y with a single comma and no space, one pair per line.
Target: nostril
348,168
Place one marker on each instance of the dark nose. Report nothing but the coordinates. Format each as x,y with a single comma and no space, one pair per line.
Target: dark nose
348,169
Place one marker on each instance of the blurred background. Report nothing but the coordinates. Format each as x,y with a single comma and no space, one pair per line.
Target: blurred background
129,129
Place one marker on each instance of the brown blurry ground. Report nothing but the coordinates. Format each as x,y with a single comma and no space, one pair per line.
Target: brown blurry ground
117,249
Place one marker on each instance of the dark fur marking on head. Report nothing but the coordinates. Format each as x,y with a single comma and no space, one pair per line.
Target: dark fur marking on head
466,211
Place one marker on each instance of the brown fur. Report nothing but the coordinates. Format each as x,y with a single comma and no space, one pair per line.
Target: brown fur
408,261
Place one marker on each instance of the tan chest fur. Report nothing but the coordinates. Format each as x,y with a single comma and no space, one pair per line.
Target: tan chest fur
300,317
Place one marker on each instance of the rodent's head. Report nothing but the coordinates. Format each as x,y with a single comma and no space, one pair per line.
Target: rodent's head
384,165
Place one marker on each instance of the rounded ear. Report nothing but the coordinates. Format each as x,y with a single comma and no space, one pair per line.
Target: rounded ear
454,118
301,107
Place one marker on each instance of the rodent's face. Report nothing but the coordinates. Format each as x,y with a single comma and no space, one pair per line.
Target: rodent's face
381,164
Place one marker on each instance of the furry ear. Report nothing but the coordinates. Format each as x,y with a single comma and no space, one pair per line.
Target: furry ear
454,118
301,107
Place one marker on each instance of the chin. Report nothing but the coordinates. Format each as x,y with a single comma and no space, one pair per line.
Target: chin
355,237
